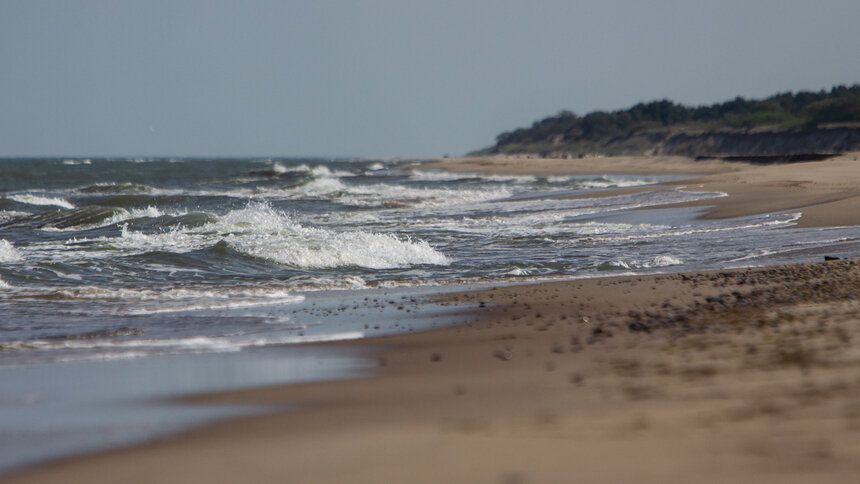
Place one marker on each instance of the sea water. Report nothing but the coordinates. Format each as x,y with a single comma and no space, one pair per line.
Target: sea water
131,266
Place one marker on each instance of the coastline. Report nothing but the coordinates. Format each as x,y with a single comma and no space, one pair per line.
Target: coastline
646,165
825,191
659,378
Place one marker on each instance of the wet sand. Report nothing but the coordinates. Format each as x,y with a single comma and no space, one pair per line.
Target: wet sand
747,375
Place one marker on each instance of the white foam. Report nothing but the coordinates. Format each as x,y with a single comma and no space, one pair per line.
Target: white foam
518,271
607,181
317,248
663,261
329,283
31,199
143,301
8,252
551,222
657,261
149,211
332,188
263,232
327,185
273,236
7,215
212,305
757,223
321,187
324,171
130,295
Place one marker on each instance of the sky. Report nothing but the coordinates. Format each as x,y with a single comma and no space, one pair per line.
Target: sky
384,78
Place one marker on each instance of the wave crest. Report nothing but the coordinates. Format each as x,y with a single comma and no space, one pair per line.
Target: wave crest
8,253
30,199
260,231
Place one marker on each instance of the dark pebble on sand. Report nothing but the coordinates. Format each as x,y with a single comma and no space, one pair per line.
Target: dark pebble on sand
503,355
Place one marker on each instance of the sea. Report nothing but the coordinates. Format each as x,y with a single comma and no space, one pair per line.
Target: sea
127,281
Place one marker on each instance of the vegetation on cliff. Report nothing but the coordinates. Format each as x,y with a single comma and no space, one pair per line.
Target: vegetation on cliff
654,127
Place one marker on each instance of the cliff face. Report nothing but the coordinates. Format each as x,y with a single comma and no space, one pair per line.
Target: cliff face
776,143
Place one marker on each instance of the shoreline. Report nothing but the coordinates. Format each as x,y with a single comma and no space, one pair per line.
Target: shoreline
825,191
673,375
708,376
644,165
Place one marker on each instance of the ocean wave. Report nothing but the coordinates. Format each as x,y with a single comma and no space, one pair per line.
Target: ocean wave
378,195
542,215
31,199
756,222
262,232
78,162
518,271
607,181
111,188
321,171
657,261
147,301
11,215
132,295
320,283
324,171
550,222
91,217
273,236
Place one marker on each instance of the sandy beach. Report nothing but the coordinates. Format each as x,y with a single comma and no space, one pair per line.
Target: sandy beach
743,375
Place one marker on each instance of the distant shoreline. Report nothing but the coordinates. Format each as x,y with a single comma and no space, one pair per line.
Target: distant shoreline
827,192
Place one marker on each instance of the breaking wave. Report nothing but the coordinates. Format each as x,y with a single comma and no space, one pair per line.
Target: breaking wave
657,261
93,217
8,252
262,232
30,199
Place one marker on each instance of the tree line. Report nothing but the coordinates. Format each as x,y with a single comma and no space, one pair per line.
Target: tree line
788,110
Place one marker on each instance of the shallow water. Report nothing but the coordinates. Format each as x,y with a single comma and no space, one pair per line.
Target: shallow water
71,402
60,410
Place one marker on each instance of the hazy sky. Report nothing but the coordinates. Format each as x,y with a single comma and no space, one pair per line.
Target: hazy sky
384,77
